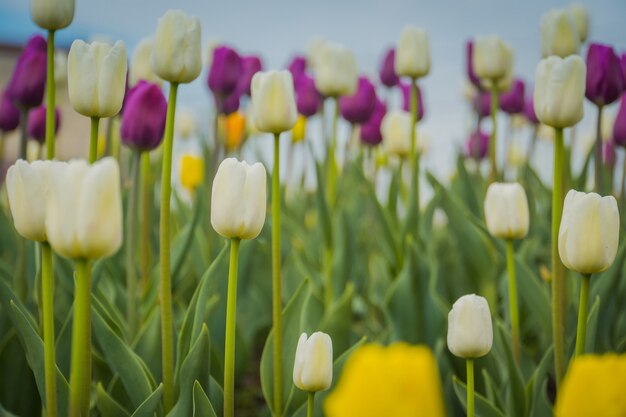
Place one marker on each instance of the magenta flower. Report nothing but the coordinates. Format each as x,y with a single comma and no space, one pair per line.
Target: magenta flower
37,123
619,128
9,114
387,71
308,99
28,82
358,107
250,65
482,104
370,130
230,103
477,145
469,66
605,82
512,102
406,100
529,110
143,121
226,68
608,153
297,67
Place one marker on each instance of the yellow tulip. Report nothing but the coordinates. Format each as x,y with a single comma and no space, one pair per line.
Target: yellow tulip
191,171
298,133
235,130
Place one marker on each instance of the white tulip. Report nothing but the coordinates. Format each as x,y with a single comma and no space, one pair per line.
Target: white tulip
581,17
396,132
313,365
96,76
238,199
26,188
140,68
470,332
493,62
60,67
52,14
506,210
273,101
84,209
314,51
412,53
336,72
177,54
560,91
589,232
559,35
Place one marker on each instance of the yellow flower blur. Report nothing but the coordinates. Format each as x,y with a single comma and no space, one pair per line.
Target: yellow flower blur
235,130
298,133
593,387
400,380
191,171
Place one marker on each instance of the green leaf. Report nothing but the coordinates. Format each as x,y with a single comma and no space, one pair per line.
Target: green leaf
107,406
201,405
517,404
151,404
483,408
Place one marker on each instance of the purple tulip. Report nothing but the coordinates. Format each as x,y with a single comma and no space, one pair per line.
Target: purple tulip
358,107
250,65
308,99
477,145
469,65
622,62
28,81
230,103
9,114
143,121
226,68
512,102
619,128
529,110
297,67
406,100
37,123
605,81
370,130
387,71
608,153
482,104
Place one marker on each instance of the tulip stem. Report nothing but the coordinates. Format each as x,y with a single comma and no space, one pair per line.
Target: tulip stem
493,176
93,140
276,281
415,157
80,373
598,154
50,98
47,301
310,405
513,309
581,332
146,194
332,163
231,323
329,290
470,387
23,133
558,287
131,229
167,326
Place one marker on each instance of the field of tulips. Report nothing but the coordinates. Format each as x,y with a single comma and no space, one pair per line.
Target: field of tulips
148,281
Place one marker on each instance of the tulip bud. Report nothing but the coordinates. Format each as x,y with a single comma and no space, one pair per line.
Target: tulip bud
559,91
308,99
28,81
96,76
358,107
559,35
471,73
52,14
412,53
9,114
619,128
396,129
313,367
229,104
238,199
482,104
406,100
37,123
512,101
297,67
470,333
335,71
370,130
143,121
191,171
140,68
26,187
84,208
315,51
493,61
176,56
226,68
529,110
250,65
273,102
506,210
581,19
589,232
387,71
605,82
477,145
298,133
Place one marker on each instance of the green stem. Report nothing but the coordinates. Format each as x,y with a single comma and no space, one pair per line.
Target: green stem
581,332
329,290
231,323
558,287
167,326
470,387
493,176
415,157
93,140
513,309
131,229
310,405
276,281
80,373
23,133
598,154
146,195
50,98
332,163
47,301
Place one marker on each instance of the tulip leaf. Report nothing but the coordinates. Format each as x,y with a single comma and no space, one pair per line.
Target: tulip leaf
201,405
517,404
107,406
151,404
483,408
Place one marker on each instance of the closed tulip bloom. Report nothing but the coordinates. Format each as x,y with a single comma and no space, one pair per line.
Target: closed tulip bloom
336,71
471,73
315,51
482,104
605,82
506,210
226,68
250,65
581,18
492,61
238,199
229,104
370,130
619,127
143,121
412,53
559,34
28,81
235,127
589,232
52,14
140,68
529,110
9,114
396,129
297,67
622,61
37,123
298,133
313,367
84,209
96,76
308,99
26,187
512,102
470,333
406,100
273,101
559,91
477,145
358,107
177,56
387,71
191,171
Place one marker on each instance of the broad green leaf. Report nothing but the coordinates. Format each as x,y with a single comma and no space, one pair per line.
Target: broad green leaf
483,408
150,406
201,405
107,406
